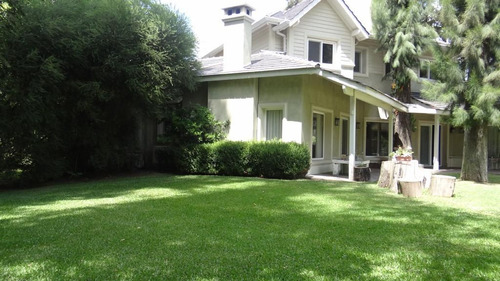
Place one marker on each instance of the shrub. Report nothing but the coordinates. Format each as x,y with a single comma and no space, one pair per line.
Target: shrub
271,159
231,158
191,125
276,159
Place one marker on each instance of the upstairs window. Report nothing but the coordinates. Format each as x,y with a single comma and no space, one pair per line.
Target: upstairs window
320,52
387,68
426,70
360,61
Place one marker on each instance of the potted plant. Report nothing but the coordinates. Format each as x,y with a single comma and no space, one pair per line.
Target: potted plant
402,154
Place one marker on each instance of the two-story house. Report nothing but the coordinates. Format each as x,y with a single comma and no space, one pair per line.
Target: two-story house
311,74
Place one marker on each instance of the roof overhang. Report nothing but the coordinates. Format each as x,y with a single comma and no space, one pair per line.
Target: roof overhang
361,91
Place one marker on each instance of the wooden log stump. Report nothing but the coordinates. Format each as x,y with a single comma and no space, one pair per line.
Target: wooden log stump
411,188
386,174
392,171
442,185
361,173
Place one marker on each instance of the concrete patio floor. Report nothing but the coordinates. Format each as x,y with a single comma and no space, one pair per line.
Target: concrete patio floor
374,175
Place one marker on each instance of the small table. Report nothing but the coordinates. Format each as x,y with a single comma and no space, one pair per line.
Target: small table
337,162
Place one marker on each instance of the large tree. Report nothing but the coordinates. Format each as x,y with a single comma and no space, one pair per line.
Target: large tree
403,29
469,76
76,76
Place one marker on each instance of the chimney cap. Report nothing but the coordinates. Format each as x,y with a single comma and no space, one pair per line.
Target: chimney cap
238,10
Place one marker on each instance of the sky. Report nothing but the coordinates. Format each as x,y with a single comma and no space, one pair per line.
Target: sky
205,17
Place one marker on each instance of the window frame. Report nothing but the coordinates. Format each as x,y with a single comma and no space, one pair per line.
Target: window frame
262,118
366,122
321,49
363,71
427,64
266,111
322,135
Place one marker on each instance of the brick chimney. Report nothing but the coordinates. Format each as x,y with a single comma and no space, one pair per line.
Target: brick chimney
237,36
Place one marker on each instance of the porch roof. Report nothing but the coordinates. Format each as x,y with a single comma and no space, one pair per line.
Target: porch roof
273,64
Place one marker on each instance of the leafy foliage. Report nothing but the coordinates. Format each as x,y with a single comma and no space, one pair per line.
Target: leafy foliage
191,125
76,77
468,75
403,29
270,159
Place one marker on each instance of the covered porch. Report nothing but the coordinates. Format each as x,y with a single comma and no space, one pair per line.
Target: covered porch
386,106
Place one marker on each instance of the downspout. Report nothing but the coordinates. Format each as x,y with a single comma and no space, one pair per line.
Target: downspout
280,27
284,39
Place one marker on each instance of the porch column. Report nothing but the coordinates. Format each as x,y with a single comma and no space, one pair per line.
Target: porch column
352,135
391,131
435,159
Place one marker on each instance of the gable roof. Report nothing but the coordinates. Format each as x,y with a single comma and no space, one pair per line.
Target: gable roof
294,14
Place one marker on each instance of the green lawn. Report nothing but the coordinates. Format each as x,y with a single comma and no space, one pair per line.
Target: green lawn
161,227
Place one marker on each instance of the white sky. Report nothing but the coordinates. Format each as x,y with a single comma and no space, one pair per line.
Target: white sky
206,17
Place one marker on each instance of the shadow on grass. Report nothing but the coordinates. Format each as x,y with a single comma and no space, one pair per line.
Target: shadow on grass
222,228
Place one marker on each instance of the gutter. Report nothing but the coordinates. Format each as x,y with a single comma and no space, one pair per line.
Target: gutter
280,27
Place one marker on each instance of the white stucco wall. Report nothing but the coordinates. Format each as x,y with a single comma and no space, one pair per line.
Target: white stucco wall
283,93
235,101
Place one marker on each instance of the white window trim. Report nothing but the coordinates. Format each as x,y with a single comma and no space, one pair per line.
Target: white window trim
428,75
335,44
420,124
372,120
324,112
323,134
261,119
343,116
364,61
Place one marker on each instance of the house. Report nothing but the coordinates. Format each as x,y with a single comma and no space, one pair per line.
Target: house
311,74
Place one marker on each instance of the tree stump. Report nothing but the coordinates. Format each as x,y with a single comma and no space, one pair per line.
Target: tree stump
386,173
391,172
411,188
361,173
442,185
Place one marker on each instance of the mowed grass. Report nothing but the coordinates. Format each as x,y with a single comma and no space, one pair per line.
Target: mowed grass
163,227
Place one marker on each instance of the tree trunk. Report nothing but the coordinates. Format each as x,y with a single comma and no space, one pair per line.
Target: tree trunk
475,156
402,124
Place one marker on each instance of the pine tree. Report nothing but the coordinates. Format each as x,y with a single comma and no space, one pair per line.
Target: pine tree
403,30
469,77
291,3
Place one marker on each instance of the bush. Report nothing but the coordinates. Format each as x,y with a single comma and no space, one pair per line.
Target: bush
271,159
231,158
191,125
276,159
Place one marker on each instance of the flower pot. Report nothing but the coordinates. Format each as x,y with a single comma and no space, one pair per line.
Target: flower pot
403,158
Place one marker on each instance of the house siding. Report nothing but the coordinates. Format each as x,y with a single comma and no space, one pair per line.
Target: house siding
323,23
260,39
376,67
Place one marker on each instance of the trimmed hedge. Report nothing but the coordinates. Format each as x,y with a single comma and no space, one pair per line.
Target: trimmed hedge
270,159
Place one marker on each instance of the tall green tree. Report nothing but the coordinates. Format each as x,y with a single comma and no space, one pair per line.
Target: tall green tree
469,76
403,29
77,76
291,3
